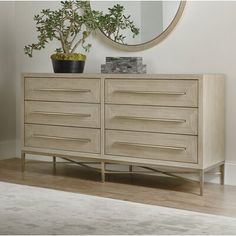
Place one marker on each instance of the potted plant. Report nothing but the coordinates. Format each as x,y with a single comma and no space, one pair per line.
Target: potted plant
71,25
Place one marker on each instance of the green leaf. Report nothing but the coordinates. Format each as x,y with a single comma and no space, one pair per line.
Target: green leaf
74,21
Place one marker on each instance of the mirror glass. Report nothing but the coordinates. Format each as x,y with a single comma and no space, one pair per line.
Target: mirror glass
144,20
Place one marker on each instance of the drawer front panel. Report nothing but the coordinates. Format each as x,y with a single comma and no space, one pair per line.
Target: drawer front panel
152,119
152,92
63,138
64,90
65,114
167,147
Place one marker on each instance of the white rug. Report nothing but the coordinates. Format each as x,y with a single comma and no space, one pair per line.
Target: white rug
32,210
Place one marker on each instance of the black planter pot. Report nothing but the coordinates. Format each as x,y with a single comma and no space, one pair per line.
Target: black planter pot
68,66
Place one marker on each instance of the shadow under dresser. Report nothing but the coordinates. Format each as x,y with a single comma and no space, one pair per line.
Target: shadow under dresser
151,121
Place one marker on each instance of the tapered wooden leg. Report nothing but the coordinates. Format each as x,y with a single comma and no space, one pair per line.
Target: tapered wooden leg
103,169
22,162
130,168
222,174
54,164
201,182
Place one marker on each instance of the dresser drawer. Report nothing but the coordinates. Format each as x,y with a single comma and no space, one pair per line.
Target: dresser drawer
168,147
64,90
152,92
65,114
62,138
152,119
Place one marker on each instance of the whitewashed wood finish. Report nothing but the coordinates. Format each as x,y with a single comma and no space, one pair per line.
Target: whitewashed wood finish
151,43
63,114
207,91
170,147
152,119
102,117
116,76
62,138
126,160
213,120
60,89
152,92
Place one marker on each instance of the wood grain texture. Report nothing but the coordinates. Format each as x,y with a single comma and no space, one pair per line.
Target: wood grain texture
169,147
63,114
161,191
59,89
64,138
213,119
148,92
152,119
72,76
196,98
77,155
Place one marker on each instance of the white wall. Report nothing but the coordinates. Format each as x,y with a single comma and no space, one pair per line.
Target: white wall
204,41
7,80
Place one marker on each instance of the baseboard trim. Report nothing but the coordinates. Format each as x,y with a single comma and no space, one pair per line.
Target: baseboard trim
7,149
230,173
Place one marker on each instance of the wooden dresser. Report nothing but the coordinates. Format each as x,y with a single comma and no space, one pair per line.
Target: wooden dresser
154,121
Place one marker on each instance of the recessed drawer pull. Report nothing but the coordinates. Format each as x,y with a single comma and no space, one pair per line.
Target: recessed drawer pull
151,119
151,146
62,90
60,114
82,140
150,92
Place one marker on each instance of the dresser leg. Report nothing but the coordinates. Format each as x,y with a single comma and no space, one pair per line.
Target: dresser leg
54,164
222,174
130,168
22,162
201,182
103,169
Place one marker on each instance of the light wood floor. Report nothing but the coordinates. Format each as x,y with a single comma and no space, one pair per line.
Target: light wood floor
162,191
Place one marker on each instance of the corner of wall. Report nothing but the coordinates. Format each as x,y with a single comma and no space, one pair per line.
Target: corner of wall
7,149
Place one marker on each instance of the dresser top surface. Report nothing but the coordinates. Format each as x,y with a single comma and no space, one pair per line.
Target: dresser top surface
121,76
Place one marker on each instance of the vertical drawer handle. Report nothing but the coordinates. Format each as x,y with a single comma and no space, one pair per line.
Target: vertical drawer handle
151,119
60,114
150,92
62,90
82,140
151,146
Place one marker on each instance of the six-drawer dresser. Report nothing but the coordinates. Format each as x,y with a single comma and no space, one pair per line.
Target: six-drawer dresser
163,123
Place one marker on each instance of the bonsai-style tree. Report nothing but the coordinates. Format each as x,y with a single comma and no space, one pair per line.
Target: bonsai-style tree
73,23
115,22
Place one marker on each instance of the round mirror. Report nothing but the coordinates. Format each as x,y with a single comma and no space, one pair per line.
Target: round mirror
138,25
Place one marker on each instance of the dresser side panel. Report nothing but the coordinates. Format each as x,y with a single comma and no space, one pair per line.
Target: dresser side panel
213,120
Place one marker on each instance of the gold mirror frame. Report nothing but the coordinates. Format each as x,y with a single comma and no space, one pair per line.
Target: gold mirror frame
151,43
